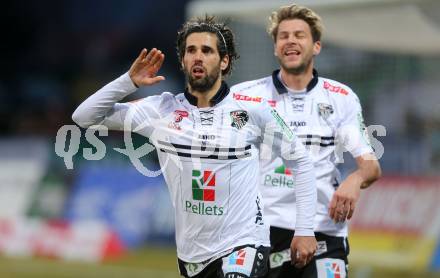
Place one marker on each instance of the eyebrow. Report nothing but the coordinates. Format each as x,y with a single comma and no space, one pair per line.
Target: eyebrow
204,46
295,32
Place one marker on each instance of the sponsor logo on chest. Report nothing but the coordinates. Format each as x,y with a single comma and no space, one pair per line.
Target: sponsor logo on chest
178,117
280,178
203,187
298,123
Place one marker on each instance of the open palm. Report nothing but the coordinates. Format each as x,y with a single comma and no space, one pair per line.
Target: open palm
144,69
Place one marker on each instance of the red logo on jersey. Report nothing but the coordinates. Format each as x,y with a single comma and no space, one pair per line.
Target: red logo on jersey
179,115
199,182
333,270
237,257
272,102
246,98
174,125
335,89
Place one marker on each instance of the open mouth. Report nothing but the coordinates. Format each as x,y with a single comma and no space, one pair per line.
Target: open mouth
291,53
198,71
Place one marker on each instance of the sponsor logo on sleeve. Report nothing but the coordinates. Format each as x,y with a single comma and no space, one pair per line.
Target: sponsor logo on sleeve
259,215
285,129
236,96
246,98
335,89
272,102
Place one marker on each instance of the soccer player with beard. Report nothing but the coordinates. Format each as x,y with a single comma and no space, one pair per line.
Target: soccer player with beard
325,115
209,145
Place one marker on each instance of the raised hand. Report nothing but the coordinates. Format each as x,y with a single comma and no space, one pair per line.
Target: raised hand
144,69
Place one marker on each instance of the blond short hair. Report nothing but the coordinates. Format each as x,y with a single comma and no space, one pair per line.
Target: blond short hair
296,12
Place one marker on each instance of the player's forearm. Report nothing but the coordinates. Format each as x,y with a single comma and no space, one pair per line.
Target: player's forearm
368,171
96,107
305,192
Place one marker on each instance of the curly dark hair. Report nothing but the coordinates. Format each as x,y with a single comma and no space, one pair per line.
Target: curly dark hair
225,38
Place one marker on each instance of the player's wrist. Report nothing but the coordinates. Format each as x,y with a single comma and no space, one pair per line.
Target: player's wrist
132,80
304,232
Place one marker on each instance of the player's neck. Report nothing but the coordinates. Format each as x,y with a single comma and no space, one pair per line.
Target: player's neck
204,98
297,82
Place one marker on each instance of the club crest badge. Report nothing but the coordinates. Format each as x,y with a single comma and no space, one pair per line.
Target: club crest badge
239,118
325,110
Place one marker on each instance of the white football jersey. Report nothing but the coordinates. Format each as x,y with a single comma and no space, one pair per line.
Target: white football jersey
327,118
210,161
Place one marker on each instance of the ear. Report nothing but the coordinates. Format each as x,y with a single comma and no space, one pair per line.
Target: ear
316,48
224,62
274,50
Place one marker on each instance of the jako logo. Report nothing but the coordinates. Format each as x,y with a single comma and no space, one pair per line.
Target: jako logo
237,258
281,178
333,270
198,182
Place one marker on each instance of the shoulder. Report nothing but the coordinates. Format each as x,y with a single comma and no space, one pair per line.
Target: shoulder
163,100
156,98
254,91
252,85
338,91
256,106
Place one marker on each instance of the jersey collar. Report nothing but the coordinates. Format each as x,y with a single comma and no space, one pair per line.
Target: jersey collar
281,89
222,92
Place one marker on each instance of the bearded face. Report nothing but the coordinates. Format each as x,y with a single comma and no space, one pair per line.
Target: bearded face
201,61
200,78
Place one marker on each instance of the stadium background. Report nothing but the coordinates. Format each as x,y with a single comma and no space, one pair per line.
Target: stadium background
104,219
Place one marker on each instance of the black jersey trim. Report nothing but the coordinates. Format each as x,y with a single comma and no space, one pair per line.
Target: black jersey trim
309,143
204,156
281,89
222,92
204,148
316,140
211,152
311,136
